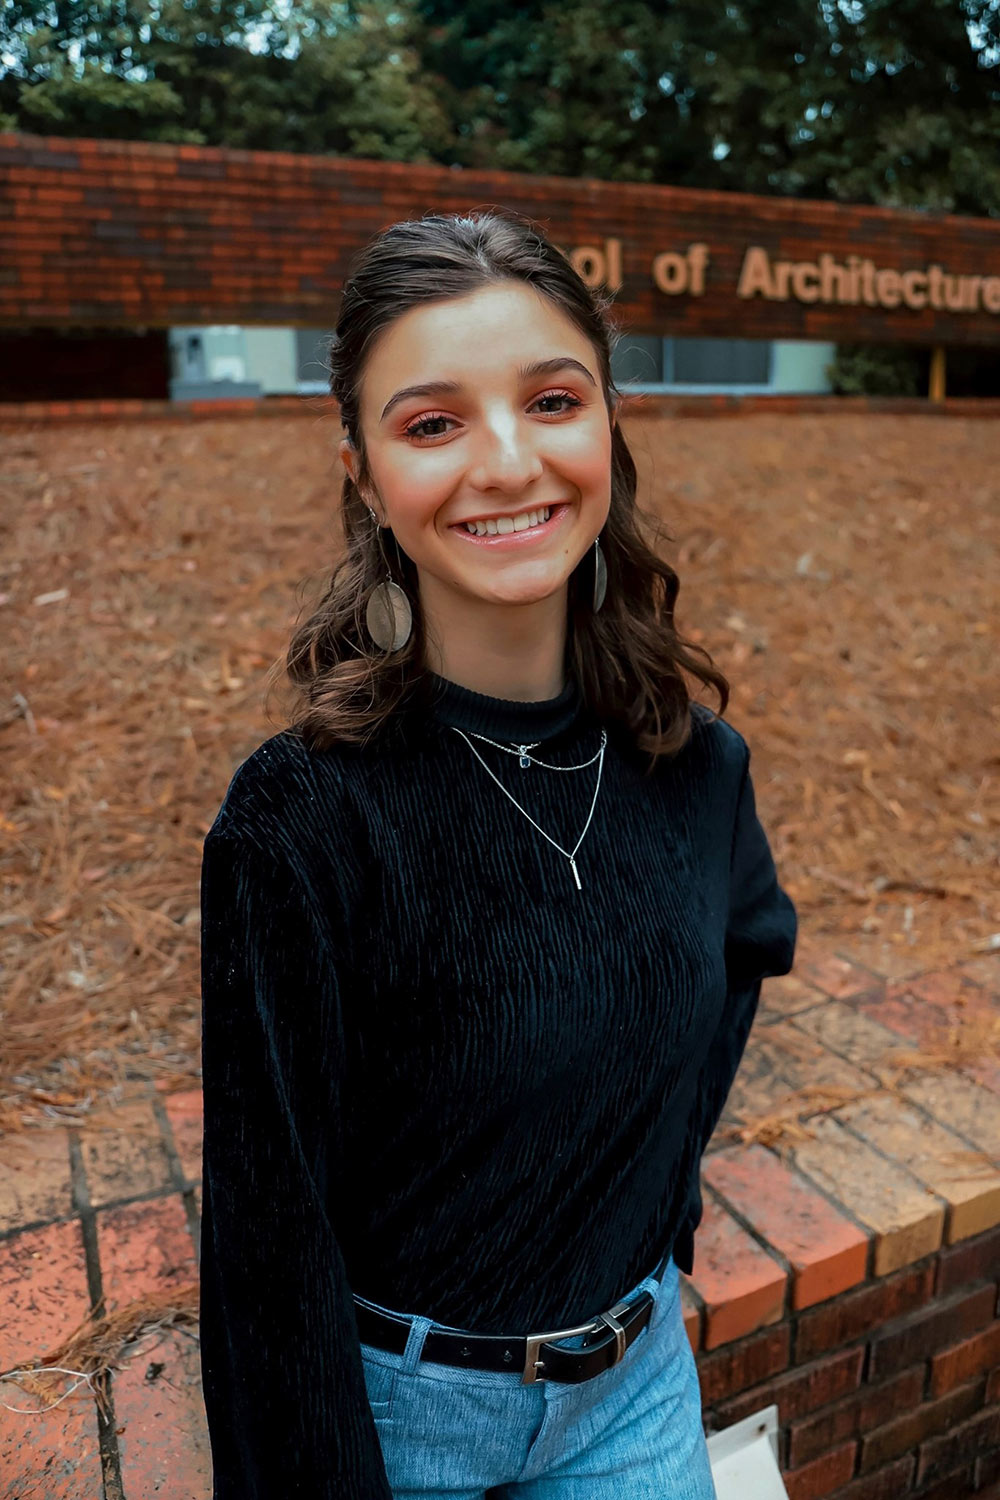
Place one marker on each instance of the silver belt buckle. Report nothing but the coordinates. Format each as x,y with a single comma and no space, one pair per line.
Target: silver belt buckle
534,1341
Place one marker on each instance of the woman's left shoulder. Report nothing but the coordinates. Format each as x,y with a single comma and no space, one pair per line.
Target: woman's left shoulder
717,743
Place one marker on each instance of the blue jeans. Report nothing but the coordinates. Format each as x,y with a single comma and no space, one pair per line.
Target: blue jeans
634,1432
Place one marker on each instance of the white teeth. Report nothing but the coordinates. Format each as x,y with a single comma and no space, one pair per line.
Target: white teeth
504,524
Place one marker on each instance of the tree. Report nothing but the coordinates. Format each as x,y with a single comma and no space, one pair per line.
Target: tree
343,79
870,101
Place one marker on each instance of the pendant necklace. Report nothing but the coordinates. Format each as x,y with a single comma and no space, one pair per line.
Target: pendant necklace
525,760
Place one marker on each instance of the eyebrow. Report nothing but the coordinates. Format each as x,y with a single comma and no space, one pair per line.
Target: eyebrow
525,372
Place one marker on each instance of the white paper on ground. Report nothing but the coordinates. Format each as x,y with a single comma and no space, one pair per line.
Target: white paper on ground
744,1459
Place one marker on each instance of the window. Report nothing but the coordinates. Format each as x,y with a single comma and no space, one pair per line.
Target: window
721,362
638,360
311,357
647,361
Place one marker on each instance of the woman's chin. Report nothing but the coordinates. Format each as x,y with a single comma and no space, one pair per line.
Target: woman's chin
522,597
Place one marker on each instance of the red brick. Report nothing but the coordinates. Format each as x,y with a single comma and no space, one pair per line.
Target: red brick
940,1454
799,1391
35,1177
43,1291
827,1253
741,1286
123,1153
184,1111
868,1407
928,1329
822,1476
972,1260
835,976
783,995
51,1455
855,1313
932,1007
884,1484
746,1363
964,1179
314,194
144,1248
954,993
970,1357
958,1485
912,1427
906,1220
13,413
961,1104
987,1469
162,1433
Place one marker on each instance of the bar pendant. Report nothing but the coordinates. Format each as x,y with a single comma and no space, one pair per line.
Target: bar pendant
575,875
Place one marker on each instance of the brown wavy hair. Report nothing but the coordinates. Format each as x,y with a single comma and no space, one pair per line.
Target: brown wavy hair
628,659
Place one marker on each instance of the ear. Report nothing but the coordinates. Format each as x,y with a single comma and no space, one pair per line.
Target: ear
349,457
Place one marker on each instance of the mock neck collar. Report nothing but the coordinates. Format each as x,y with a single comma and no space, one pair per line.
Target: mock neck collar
517,721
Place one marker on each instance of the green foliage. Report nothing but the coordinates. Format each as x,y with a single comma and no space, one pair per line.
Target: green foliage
98,103
868,101
878,370
343,79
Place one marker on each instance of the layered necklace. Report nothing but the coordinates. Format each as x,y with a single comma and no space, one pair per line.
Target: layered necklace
525,759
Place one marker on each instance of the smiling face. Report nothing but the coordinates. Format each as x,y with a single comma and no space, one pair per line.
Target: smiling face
488,440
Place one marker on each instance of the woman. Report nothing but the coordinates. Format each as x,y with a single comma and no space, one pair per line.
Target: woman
483,936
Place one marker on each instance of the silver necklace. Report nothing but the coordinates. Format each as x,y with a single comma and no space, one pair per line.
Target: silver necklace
530,760
522,750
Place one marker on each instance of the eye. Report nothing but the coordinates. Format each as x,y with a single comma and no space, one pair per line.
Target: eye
414,429
559,396
419,430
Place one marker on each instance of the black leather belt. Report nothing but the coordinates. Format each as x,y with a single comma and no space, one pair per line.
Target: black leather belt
606,1338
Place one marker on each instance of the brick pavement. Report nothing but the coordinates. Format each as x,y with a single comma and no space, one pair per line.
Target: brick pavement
850,1275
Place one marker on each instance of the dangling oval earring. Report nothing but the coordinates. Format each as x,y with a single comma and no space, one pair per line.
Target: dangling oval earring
600,575
388,615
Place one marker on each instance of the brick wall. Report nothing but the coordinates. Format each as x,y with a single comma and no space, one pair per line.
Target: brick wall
13,413
889,1389
126,234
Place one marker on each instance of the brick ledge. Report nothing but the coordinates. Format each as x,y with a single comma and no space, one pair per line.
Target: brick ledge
126,410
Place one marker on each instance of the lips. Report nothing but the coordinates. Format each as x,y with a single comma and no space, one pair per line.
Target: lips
514,538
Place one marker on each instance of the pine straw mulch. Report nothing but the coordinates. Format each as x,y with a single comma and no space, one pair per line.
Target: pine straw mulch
950,1047
95,1349
840,569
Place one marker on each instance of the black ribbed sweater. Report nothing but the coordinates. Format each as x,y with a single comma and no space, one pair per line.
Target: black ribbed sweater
437,1073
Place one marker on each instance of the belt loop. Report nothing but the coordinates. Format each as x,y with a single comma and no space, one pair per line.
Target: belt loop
415,1343
612,1322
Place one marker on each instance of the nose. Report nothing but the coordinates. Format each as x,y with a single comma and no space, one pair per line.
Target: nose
506,455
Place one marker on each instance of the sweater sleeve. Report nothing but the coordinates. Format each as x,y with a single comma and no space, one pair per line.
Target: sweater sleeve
761,932
284,1387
